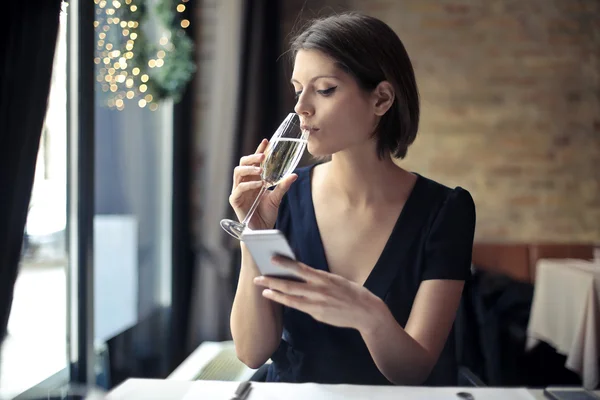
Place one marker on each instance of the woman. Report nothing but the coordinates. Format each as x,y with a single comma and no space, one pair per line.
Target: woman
384,251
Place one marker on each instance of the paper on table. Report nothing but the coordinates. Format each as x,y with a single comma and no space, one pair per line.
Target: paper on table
217,390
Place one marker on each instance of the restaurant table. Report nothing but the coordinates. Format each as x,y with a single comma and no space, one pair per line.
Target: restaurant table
565,313
150,389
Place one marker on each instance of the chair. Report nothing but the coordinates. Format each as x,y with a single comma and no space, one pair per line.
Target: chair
213,361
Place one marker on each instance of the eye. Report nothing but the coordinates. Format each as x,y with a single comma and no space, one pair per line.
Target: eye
327,92
297,94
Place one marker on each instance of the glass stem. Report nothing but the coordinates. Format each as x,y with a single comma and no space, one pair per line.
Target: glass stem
263,189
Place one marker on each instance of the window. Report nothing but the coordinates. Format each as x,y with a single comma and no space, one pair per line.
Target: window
133,155
133,190
36,345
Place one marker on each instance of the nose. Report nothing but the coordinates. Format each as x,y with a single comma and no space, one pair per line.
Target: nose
304,107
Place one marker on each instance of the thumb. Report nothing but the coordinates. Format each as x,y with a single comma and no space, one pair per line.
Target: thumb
282,189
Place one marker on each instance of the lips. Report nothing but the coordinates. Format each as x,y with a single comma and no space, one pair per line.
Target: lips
309,128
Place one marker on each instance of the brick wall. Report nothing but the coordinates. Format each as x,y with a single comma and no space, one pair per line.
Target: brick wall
510,95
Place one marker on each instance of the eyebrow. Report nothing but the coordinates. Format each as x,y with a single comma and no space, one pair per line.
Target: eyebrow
315,78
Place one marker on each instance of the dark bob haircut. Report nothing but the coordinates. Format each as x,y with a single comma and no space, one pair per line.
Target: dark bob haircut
371,52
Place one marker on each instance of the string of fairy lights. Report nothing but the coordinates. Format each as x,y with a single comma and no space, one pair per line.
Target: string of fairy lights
128,64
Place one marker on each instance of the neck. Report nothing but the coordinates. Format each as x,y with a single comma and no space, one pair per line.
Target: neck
360,178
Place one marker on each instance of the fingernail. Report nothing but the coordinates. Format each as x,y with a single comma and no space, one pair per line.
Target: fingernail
257,169
276,261
259,279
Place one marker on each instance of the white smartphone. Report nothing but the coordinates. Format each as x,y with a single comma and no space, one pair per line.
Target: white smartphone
263,245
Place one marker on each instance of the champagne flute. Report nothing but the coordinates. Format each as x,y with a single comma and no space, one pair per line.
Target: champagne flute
282,155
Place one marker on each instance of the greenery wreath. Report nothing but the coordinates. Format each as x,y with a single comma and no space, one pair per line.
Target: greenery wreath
138,60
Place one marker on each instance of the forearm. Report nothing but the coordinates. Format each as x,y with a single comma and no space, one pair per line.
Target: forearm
399,357
255,321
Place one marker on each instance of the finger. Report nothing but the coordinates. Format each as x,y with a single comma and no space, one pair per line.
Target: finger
252,159
262,146
302,270
299,303
290,287
282,188
244,171
242,188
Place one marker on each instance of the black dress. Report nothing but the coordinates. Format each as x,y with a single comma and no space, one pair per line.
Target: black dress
432,239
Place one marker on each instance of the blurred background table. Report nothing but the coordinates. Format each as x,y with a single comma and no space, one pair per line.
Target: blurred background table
565,313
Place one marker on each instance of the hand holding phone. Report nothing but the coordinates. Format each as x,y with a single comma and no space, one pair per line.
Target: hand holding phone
263,246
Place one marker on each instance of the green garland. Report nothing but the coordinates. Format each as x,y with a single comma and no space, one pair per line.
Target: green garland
131,66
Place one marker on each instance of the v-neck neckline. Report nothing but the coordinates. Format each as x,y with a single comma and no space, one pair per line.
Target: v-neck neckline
380,272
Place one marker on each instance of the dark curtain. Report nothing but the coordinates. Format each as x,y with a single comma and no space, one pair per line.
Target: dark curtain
259,101
183,255
30,30
259,91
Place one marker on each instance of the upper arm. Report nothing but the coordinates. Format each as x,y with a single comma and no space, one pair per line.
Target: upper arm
433,313
447,262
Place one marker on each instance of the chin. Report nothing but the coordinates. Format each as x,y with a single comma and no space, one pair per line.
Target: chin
318,151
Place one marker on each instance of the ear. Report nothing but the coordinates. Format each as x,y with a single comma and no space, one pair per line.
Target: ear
383,97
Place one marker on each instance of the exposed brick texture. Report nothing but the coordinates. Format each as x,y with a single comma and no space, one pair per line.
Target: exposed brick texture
510,94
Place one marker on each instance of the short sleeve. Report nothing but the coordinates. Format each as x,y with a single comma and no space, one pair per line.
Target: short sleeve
449,244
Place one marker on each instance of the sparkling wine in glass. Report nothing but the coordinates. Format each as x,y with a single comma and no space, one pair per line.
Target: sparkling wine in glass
282,155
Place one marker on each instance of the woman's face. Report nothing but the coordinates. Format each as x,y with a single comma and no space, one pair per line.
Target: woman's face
329,101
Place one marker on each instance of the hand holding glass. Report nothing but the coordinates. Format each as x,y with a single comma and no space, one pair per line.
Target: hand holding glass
282,156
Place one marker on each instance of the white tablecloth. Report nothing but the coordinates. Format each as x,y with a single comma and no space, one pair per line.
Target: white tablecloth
565,314
147,389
